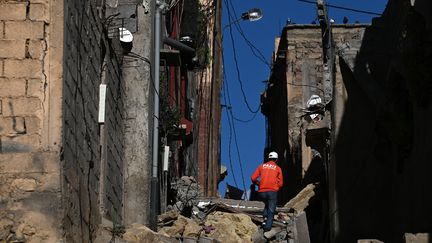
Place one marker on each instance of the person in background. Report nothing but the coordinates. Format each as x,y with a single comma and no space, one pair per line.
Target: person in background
268,177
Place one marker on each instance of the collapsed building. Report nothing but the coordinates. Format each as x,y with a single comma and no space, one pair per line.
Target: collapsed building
352,116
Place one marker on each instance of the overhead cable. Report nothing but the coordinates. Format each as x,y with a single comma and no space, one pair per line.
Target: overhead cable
233,131
255,51
237,67
343,8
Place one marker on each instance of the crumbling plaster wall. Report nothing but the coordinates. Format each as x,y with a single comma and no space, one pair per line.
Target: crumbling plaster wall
31,55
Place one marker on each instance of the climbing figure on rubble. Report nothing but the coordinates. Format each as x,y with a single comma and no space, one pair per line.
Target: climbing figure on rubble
268,177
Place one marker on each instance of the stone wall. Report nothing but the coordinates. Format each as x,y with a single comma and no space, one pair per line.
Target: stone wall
30,120
92,152
297,75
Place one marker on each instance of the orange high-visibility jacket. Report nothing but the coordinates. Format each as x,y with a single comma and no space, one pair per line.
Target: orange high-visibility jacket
271,178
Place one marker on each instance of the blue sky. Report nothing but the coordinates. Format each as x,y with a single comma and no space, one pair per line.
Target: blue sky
253,71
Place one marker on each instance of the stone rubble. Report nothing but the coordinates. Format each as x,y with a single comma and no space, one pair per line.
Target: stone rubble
222,220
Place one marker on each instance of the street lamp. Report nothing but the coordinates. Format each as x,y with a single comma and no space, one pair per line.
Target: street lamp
253,14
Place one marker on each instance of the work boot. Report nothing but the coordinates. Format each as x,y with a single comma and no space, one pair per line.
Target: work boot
267,234
271,232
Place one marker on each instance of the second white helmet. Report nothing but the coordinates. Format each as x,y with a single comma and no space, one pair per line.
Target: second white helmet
273,155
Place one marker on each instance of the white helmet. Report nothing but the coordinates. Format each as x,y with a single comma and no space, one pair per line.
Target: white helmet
273,155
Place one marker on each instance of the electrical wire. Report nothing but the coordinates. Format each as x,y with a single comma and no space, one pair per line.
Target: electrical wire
230,105
255,51
343,8
245,121
233,132
230,116
229,144
238,69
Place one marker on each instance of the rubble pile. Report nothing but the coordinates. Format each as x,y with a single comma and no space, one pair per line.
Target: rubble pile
217,226
213,220
301,200
221,220
187,193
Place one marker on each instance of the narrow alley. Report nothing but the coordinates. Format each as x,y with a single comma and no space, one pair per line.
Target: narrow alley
128,121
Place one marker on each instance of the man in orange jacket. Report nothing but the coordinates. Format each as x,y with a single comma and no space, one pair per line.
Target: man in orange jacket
270,181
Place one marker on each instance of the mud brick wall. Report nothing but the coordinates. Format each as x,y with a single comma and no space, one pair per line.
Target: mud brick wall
60,170
29,169
92,155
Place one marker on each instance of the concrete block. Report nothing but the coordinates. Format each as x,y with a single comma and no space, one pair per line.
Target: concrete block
20,144
39,162
12,49
36,49
35,88
417,238
21,106
18,30
33,125
24,184
49,182
26,68
38,12
12,126
12,11
15,87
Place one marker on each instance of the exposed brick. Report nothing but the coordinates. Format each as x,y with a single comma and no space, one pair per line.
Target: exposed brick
10,126
49,182
33,124
24,30
29,68
15,87
35,88
40,1
21,106
1,29
20,144
12,49
24,184
12,11
36,49
1,68
39,162
38,12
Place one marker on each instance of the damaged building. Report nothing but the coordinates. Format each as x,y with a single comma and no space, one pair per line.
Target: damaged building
76,112
352,117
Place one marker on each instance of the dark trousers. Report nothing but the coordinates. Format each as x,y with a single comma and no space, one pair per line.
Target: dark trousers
270,200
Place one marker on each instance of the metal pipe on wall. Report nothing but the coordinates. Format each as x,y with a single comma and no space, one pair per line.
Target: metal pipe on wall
154,197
